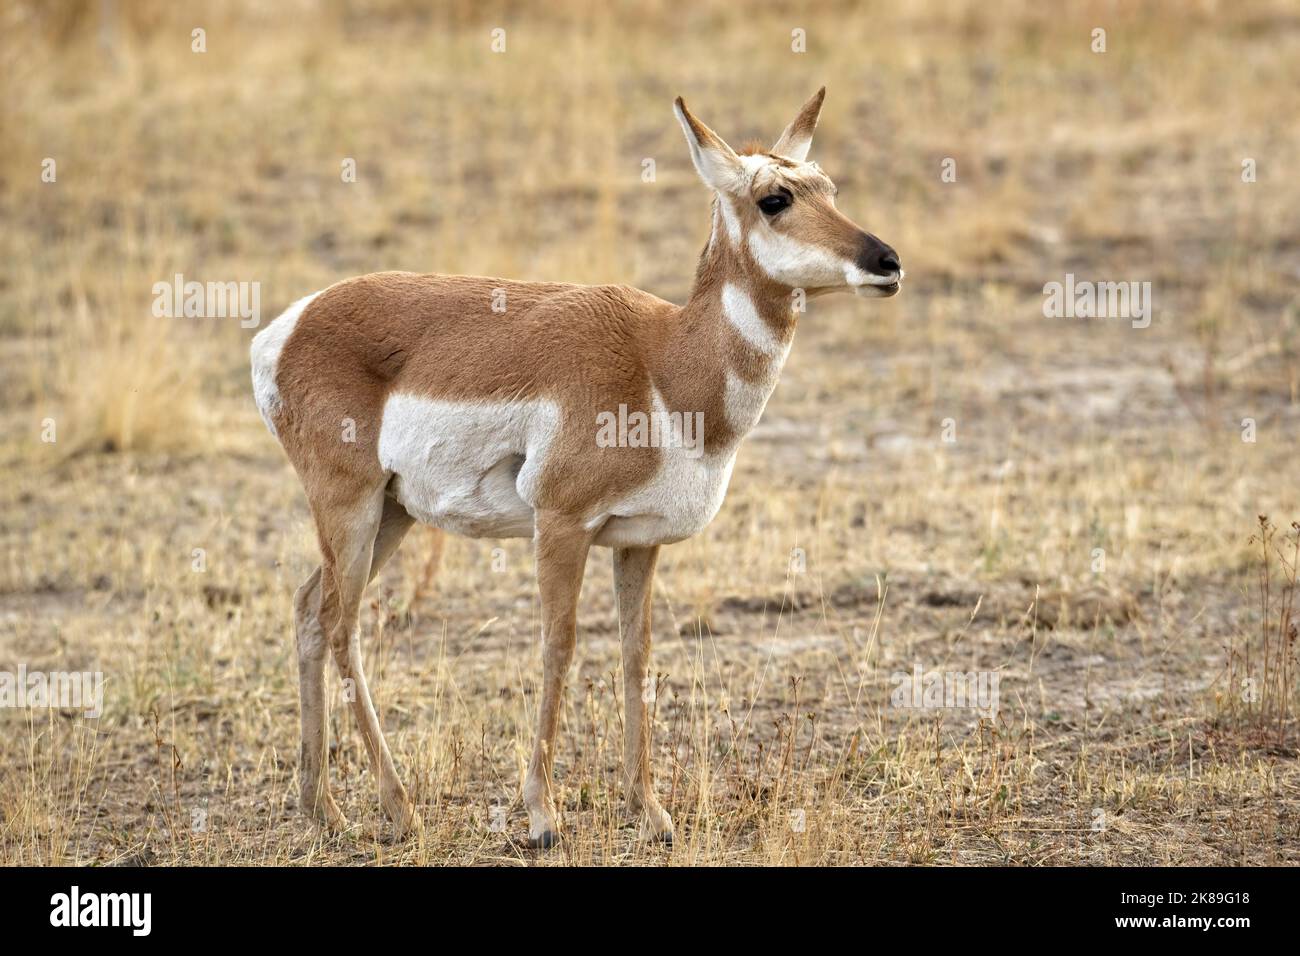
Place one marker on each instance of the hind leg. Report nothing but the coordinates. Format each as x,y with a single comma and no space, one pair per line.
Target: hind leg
315,798
393,525
357,534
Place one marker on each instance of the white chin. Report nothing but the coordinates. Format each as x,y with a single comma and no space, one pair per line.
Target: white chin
876,291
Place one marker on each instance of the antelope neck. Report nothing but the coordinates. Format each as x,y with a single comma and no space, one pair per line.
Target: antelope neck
733,335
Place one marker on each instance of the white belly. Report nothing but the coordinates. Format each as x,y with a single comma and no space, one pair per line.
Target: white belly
469,467
473,469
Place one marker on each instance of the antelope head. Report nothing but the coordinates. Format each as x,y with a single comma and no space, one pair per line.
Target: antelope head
780,208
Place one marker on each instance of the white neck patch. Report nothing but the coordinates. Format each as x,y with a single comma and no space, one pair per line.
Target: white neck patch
743,316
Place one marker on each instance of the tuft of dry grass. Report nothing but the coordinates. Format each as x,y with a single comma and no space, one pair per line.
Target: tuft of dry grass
1260,675
138,390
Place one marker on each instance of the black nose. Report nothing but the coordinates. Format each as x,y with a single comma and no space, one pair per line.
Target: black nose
877,257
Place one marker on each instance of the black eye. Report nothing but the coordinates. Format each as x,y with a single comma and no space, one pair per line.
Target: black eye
773,204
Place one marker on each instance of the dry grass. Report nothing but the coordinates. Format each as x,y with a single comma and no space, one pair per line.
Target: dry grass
1118,739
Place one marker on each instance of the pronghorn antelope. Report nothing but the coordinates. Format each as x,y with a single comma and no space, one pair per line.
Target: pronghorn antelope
485,423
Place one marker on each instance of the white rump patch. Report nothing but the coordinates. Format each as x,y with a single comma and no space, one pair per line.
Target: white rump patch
265,355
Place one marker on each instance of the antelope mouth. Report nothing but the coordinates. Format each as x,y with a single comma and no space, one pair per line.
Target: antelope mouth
884,291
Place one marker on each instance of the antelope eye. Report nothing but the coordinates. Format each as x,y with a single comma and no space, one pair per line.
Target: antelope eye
771,205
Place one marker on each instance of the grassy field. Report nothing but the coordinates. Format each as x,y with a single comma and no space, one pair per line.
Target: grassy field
947,480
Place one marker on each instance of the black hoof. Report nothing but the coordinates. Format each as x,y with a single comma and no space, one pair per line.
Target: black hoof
548,839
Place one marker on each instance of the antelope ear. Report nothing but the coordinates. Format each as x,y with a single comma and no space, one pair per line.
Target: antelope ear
715,161
797,138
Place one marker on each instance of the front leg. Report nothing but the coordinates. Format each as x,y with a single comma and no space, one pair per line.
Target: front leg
562,544
634,570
